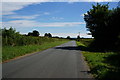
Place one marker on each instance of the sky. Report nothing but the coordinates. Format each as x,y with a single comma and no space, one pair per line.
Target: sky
58,18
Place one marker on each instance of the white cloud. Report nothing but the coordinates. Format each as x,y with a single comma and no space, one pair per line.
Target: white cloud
57,18
31,23
46,13
60,0
23,17
9,7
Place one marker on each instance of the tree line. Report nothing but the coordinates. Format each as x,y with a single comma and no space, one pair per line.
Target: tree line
36,33
104,25
10,37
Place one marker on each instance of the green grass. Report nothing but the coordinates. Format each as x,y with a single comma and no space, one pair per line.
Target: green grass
103,65
86,42
96,60
9,52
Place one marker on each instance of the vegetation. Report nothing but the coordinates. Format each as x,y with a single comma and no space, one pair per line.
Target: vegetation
68,37
12,38
103,52
34,33
9,52
104,26
103,65
78,38
48,35
15,44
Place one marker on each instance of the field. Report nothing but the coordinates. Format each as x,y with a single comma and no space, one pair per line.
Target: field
103,65
10,52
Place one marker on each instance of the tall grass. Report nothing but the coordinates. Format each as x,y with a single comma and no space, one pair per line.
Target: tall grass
9,52
103,65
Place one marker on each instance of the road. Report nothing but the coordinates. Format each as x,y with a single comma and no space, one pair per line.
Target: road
63,61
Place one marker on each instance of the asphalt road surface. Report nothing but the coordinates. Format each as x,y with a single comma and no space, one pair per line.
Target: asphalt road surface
64,61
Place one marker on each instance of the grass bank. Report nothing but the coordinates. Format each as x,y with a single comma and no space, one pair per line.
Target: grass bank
103,65
9,52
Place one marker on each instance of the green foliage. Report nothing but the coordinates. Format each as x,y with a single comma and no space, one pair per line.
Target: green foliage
103,25
9,52
15,44
100,66
12,38
9,37
34,33
68,37
86,42
96,19
48,35
78,37
103,65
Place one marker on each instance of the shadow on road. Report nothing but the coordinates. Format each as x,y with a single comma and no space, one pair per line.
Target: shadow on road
83,48
68,48
113,60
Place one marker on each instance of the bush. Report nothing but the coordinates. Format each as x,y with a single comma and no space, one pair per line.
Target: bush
12,38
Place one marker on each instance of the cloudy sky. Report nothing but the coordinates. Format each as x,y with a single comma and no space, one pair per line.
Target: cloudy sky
58,18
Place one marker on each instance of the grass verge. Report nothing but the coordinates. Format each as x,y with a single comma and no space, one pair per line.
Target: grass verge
9,52
103,65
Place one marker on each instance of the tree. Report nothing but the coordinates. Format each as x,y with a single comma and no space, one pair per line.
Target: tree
30,34
9,36
78,37
97,22
48,35
68,37
103,25
35,33
114,27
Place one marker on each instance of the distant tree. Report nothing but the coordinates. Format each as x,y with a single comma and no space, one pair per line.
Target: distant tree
48,35
55,37
68,37
35,33
30,34
78,37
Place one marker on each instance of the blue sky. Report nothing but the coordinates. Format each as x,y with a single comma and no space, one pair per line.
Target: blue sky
58,18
